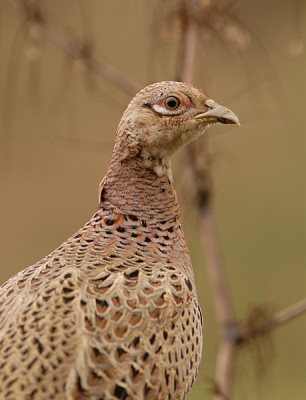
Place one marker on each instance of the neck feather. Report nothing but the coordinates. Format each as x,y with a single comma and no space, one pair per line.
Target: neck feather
139,186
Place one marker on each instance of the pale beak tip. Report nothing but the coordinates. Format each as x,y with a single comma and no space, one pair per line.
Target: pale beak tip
219,114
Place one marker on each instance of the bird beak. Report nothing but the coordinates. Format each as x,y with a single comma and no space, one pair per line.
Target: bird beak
218,113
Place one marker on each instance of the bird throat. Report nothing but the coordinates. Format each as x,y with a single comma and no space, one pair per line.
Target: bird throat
133,186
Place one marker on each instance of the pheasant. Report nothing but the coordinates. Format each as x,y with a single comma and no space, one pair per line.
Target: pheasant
113,312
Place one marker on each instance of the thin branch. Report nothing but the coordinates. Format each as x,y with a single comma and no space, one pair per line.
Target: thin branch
224,312
189,40
247,332
199,173
199,167
76,48
289,313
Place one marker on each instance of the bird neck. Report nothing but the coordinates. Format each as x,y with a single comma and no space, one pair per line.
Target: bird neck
132,186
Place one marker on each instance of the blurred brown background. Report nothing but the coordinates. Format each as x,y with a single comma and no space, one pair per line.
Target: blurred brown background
58,123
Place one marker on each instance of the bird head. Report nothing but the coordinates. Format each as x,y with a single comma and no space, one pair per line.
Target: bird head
165,116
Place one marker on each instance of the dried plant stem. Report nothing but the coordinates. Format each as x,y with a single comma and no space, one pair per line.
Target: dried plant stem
215,268
278,319
188,42
76,48
224,312
289,313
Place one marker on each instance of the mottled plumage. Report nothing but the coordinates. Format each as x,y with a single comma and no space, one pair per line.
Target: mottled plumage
113,313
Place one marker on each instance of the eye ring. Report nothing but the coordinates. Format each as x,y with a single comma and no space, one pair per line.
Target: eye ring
172,102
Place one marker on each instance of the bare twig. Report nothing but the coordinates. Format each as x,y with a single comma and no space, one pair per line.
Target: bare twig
189,39
225,315
224,311
289,313
247,332
76,48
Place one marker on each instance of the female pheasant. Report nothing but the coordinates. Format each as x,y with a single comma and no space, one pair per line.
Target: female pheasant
113,312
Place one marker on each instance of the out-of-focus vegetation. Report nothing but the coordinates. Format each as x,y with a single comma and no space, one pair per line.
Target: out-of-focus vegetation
58,124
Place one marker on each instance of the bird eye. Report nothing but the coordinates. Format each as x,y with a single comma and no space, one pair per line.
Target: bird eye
172,102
